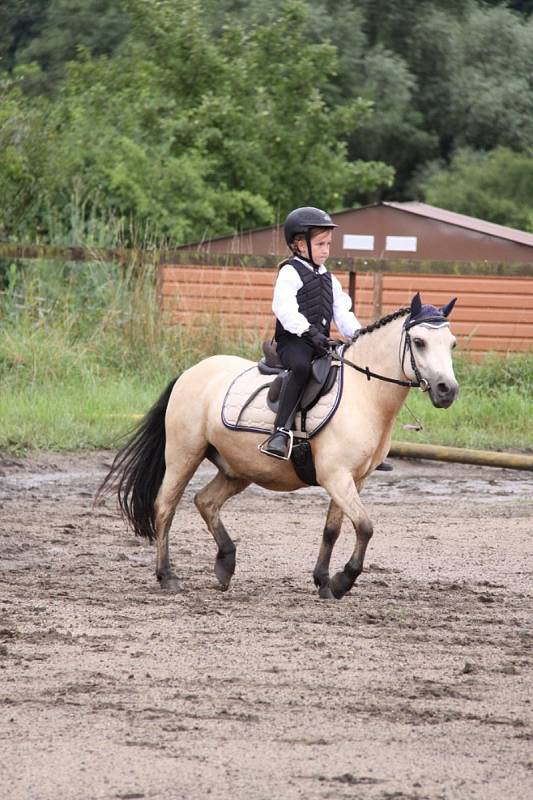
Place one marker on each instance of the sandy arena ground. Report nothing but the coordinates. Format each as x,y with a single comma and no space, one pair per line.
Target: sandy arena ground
416,686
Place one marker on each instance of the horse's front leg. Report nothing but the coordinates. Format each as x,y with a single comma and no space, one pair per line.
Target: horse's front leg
343,492
330,535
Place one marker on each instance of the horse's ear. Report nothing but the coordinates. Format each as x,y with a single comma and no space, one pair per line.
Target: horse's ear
446,310
416,305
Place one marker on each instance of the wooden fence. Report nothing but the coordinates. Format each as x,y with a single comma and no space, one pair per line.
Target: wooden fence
494,312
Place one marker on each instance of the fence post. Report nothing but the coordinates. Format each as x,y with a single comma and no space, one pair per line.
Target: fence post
377,296
351,288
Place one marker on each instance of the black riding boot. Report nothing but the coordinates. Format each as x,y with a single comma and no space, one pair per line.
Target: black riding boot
279,444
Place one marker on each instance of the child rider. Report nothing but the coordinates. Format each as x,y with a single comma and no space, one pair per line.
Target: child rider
306,299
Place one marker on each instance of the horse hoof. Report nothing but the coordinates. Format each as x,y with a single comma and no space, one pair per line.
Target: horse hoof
224,569
223,576
325,593
170,584
340,584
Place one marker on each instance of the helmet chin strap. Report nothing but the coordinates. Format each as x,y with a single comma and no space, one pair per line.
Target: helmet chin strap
309,257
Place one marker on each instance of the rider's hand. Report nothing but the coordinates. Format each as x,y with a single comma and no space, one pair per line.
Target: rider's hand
318,339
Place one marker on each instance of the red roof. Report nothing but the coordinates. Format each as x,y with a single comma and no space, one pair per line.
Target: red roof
462,221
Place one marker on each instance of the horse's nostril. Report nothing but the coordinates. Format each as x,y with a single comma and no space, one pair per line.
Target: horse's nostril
443,388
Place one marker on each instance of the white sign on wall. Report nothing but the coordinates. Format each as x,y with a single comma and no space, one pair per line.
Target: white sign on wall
356,242
407,244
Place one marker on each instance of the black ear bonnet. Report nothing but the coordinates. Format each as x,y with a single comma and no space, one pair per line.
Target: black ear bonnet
425,313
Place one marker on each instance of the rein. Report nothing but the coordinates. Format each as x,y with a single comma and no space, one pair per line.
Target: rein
420,383
369,374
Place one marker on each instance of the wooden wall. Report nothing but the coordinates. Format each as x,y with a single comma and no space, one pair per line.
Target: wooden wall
492,314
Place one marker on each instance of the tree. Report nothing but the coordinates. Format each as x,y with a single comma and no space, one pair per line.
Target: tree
20,22
23,153
394,25
521,6
186,135
394,132
475,82
96,26
387,82
492,81
497,186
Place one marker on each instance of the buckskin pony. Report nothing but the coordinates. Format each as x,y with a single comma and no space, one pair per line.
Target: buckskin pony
411,347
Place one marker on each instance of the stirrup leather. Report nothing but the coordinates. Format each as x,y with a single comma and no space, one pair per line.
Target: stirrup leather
262,446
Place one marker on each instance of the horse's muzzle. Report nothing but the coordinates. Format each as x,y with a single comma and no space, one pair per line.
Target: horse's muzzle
443,393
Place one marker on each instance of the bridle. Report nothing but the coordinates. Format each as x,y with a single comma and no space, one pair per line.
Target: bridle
369,374
420,383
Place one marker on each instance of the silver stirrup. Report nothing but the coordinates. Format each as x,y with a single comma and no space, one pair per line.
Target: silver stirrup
274,455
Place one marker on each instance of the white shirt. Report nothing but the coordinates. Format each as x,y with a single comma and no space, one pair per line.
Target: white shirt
285,305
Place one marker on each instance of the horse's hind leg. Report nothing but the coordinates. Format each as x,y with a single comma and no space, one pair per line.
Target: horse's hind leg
331,533
177,475
209,501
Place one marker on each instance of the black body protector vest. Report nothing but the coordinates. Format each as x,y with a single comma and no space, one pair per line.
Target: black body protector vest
315,298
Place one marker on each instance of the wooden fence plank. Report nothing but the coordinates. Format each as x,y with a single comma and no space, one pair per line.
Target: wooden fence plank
493,313
465,282
467,300
219,274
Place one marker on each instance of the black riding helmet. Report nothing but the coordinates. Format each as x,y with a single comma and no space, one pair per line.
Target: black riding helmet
302,220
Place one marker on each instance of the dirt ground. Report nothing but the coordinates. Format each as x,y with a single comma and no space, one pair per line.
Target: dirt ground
415,686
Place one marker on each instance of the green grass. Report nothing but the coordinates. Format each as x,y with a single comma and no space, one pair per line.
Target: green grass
500,422
82,415
494,409
83,348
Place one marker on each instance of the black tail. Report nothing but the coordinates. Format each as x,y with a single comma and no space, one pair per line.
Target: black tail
138,469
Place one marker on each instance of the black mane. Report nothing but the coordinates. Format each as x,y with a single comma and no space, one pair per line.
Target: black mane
400,312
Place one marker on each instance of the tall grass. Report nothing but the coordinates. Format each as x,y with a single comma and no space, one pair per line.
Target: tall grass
501,421
494,409
83,347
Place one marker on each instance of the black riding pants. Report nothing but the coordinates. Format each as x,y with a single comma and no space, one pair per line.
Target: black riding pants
295,354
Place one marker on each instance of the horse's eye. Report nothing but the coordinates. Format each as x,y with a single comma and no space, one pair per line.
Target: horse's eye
454,345
420,343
